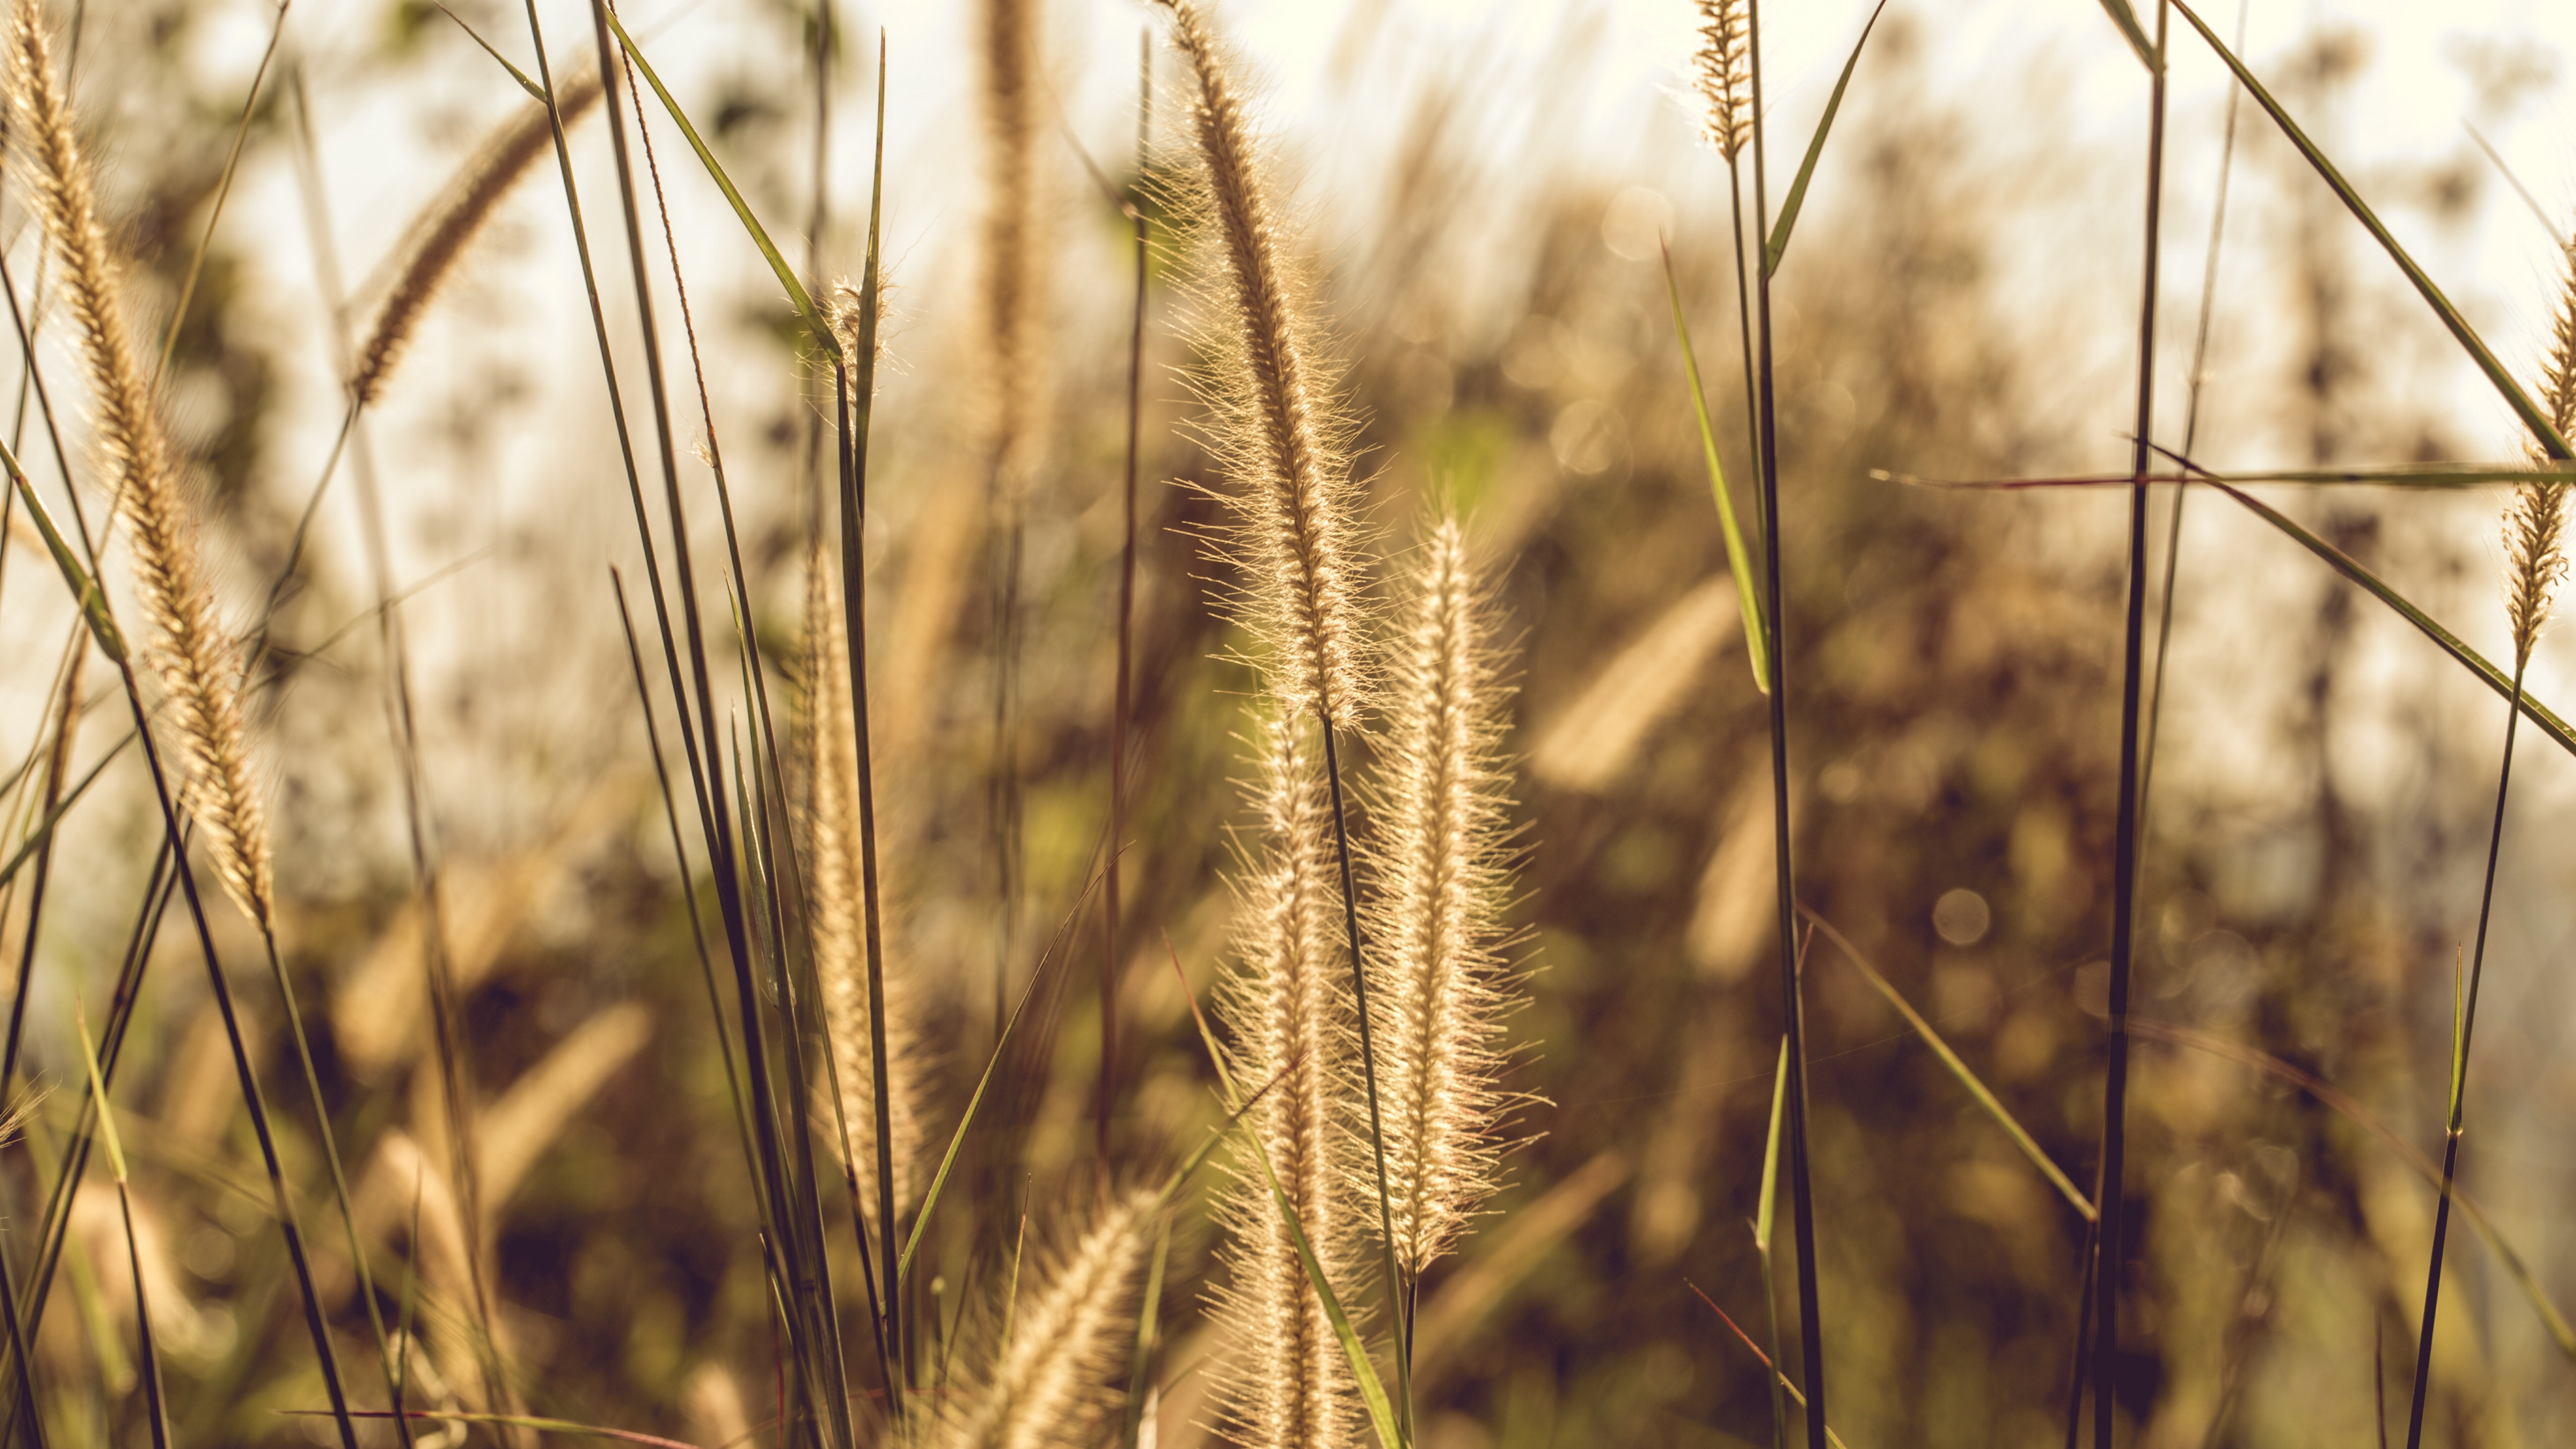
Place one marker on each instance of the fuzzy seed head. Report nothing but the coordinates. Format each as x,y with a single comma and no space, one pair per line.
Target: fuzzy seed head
190,650
1287,1006
441,233
2535,522
835,906
1722,71
1442,864
1015,255
1277,423
1068,1343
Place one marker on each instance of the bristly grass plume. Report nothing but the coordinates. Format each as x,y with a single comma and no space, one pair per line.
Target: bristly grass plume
1280,427
449,225
835,920
1052,1385
1443,871
192,653
2537,518
1285,1383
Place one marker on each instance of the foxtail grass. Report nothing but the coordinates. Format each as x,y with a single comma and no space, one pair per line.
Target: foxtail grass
445,230
1050,1384
1286,1383
836,922
1282,433
2535,526
190,650
1442,869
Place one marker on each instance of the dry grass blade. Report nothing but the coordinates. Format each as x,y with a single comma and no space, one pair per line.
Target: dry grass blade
1778,1374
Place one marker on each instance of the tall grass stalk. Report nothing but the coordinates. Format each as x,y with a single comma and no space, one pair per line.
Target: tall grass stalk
1802,1209
2534,528
1284,437
2124,884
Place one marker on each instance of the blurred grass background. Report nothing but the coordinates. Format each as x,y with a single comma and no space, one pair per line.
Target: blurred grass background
1487,220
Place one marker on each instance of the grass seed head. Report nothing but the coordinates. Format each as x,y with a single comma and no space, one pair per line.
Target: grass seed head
191,652
449,225
1052,1384
1277,424
1441,860
1722,70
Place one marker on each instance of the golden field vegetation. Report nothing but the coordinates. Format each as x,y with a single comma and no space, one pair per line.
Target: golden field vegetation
1457,813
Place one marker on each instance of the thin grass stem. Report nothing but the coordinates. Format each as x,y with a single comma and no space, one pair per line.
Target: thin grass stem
1802,1211
2459,1079
2124,885
1119,706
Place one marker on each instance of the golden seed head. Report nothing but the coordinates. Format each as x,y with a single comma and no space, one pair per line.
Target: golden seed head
1442,866
1278,426
1722,71
191,651
1072,1340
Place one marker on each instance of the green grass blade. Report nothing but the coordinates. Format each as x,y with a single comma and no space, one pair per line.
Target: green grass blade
796,294
2539,714
44,830
2542,429
93,601
1738,560
2131,31
1762,1214
1986,1099
1780,229
1148,1325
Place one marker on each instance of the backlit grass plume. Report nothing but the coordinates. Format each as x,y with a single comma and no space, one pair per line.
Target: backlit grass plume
449,225
835,906
190,651
1279,426
1442,867
2537,518
1287,1005
1067,1345
1015,258
1722,70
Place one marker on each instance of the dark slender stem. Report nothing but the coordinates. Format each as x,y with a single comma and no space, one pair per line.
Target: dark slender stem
2124,900
2079,1368
153,1403
1368,1076
2460,1074
1118,706
1744,334
1802,1208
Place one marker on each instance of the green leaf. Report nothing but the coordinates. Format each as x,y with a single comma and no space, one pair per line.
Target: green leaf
1815,147
1763,1214
796,294
2543,431
93,600
2497,680
2131,31
1986,1099
1738,559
